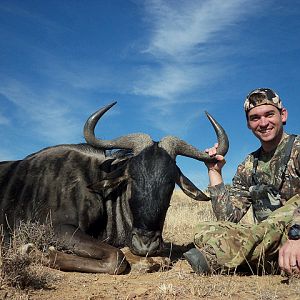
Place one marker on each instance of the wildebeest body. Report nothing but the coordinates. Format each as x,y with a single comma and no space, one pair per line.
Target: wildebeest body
53,185
98,200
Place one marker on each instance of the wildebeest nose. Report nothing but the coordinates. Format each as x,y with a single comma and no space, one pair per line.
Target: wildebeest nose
145,244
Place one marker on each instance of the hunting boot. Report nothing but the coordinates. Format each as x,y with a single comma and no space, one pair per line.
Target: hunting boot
198,261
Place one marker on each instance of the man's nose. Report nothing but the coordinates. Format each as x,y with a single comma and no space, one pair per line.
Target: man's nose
263,122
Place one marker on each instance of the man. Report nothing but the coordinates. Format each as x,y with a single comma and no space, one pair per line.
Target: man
269,180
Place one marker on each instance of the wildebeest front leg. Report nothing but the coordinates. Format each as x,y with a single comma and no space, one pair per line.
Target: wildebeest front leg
92,255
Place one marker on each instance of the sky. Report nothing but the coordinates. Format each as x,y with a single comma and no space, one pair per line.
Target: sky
164,62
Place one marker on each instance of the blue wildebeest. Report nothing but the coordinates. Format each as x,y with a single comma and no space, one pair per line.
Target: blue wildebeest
98,200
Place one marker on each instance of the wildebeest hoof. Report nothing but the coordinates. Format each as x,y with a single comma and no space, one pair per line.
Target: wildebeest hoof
51,249
26,249
119,264
33,252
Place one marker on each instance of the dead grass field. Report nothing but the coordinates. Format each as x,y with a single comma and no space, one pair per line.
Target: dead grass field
176,281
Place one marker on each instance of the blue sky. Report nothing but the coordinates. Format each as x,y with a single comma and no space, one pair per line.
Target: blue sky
165,62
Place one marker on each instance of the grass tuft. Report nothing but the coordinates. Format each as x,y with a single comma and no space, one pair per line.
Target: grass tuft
24,270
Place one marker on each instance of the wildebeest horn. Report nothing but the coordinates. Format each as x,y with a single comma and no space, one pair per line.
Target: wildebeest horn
175,146
135,142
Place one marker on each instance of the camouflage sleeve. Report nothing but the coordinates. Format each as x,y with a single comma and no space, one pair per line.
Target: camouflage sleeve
231,204
296,155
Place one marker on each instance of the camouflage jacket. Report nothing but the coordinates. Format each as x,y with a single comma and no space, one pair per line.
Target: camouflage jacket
232,204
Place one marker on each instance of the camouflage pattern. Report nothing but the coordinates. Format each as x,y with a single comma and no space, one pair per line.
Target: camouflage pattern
262,96
265,199
231,245
296,216
231,205
228,244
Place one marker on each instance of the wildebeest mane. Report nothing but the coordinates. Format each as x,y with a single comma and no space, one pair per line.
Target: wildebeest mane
83,147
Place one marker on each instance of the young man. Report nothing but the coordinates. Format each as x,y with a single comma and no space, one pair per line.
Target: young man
269,180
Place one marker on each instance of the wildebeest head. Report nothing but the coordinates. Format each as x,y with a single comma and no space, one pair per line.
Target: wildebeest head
152,173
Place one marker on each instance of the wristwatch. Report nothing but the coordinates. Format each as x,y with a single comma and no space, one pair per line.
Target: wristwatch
294,232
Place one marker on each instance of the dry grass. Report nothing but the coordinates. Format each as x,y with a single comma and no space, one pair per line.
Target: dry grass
228,287
24,270
182,217
178,283
185,213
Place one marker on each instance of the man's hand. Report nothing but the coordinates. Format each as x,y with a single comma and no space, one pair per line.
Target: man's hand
215,168
289,256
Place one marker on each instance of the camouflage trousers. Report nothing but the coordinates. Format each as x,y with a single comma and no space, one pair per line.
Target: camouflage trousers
229,245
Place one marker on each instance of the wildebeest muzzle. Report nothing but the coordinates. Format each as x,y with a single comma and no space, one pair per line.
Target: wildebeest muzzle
145,243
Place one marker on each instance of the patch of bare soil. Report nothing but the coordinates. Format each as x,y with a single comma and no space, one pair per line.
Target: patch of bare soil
168,277
175,281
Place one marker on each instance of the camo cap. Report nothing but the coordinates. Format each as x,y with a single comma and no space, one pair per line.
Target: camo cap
262,96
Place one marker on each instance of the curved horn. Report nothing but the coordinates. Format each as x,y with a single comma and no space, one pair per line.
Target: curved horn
223,142
175,146
135,142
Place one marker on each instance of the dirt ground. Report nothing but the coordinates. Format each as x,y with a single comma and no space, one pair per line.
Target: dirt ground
166,280
168,277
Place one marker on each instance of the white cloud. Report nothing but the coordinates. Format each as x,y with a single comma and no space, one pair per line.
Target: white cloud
166,82
182,44
179,28
89,75
172,80
180,58
46,114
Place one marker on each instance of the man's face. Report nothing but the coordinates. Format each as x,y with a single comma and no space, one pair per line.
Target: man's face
266,122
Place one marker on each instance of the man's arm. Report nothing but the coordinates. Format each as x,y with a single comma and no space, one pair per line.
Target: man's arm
289,253
227,205
215,169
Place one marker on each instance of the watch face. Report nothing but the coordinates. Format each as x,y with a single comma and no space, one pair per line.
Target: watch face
294,232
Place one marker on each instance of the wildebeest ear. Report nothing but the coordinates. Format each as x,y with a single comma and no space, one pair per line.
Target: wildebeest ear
189,188
107,186
111,182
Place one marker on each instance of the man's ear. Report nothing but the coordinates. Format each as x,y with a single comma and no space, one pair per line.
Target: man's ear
284,115
248,125
247,120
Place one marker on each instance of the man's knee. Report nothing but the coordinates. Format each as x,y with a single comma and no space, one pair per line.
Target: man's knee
205,231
